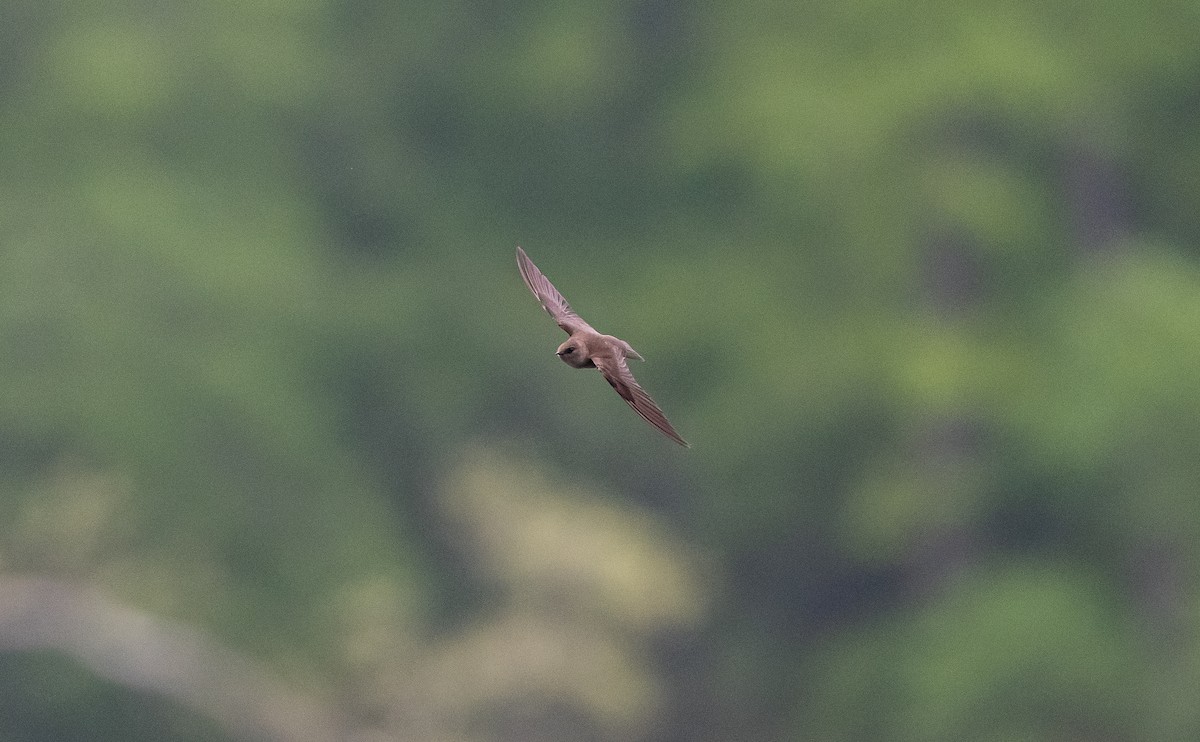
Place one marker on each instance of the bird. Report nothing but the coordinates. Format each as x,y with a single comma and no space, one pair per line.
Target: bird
587,348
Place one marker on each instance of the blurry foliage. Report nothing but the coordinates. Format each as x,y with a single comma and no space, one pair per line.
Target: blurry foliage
581,589
1052,666
919,282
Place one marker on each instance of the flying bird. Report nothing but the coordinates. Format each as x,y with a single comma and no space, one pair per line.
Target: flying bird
587,348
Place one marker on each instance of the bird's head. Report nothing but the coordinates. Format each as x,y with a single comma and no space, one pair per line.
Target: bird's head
573,353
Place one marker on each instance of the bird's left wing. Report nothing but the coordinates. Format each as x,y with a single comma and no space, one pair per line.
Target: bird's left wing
552,301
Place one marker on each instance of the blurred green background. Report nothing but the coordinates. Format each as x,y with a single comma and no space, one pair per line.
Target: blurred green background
286,454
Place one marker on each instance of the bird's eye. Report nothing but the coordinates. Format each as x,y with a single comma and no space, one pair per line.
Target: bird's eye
569,350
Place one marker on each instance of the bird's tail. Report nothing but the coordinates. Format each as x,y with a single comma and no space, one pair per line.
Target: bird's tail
631,353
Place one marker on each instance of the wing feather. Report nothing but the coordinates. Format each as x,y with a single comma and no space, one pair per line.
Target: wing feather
616,372
552,301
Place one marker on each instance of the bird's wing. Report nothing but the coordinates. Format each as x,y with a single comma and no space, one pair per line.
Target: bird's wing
616,372
552,301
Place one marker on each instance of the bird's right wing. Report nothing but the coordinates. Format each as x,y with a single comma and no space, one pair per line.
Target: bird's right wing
552,301
616,372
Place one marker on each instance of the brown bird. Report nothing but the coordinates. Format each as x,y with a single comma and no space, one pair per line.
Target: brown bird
587,348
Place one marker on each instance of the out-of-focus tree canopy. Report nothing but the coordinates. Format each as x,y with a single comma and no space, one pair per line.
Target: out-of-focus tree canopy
287,454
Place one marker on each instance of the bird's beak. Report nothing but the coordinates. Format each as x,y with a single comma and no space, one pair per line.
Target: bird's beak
558,353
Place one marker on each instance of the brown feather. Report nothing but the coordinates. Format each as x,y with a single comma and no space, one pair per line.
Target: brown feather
552,301
616,372
587,348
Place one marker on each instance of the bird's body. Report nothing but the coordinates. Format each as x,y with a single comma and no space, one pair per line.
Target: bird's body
587,348
583,347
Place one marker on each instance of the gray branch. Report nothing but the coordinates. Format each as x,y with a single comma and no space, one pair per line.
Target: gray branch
138,650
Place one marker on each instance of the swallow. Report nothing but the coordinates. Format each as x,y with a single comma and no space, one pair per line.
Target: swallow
587,348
